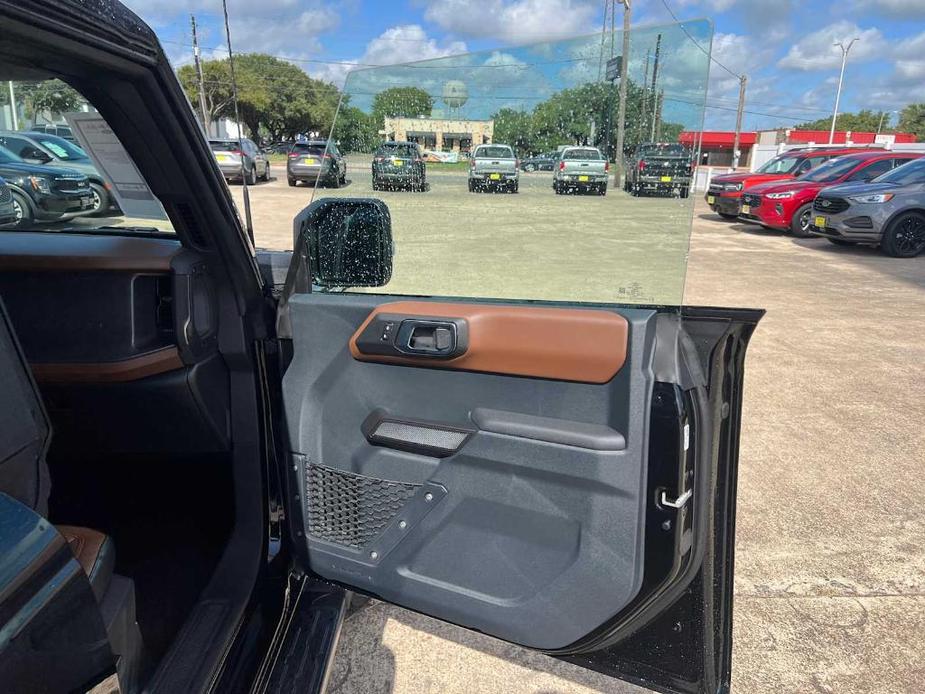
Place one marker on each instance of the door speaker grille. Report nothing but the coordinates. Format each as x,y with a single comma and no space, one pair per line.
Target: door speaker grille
350,509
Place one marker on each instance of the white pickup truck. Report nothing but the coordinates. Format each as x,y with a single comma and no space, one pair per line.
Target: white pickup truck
581,168
493,166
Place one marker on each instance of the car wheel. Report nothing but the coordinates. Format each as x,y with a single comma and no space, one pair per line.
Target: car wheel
602,190
252,176
100,199
684,192
799,225
291,181
471,186
335,182
376,184
422,186
634,190
529,167
841,242
22,208
343,177
266,172
905,237
515,187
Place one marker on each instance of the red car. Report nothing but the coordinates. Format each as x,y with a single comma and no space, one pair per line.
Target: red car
724,196
788,205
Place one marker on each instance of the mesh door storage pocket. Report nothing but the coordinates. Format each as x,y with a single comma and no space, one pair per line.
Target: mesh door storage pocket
350,509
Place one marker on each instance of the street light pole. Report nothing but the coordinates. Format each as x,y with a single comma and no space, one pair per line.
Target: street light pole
841,77
621,111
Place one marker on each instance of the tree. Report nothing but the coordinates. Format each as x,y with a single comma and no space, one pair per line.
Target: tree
912,120
216,79
865,121
48,97
355,131
275,97
514,128
409,102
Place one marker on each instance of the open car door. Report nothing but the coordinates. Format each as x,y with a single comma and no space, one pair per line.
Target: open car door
521,431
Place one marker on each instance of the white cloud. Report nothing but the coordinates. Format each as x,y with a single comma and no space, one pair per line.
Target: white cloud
816,51
398,44
515,21
906,84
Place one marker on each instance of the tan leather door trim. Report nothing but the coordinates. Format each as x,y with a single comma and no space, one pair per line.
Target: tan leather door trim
585,345
142,366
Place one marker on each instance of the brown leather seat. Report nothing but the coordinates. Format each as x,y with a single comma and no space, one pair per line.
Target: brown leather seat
96,554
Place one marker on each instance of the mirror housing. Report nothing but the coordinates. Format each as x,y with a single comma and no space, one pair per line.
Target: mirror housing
348,242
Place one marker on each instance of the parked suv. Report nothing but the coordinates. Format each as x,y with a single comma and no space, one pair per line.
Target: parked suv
229,153
889,211
545,161
399,164
581,168
493,166
44,193
52,150
316,160
659,167
7,209
724,195
788,205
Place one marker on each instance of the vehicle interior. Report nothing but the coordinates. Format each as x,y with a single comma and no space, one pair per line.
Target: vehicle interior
149,445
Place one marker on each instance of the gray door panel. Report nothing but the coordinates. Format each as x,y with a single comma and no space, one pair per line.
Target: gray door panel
532,531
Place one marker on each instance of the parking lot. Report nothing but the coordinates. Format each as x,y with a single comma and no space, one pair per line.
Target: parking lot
830,564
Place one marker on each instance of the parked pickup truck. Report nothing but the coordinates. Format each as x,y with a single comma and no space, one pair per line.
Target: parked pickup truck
493,167
659,167
581,168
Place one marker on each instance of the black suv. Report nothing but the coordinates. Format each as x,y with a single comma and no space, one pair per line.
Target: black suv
44,193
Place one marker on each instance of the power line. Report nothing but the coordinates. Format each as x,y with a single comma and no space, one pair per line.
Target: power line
695,42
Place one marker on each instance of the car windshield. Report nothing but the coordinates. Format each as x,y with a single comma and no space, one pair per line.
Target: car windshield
224,145
62,149
780,165
7,157
526,242
494,153
831,170
664,150
907,174
400,150
586,154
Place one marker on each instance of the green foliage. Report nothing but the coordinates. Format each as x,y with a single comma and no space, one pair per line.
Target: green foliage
275,98
42,99
865,121
409,102
912,120
356,131
580,116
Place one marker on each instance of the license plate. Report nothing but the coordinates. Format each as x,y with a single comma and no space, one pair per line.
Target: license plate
746,209
819,222
666,179
582,179
711,199
223,157
494,177
398,162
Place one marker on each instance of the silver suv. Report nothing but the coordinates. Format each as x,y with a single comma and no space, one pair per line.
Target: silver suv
889,211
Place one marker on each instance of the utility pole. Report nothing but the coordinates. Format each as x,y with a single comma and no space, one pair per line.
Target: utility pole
644,109
621,111
203,113
658,49
13,115
841,77
743,80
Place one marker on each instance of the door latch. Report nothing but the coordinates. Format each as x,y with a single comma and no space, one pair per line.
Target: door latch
663,499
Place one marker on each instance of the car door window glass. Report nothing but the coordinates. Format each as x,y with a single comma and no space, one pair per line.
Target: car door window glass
479,227
55,185
872,170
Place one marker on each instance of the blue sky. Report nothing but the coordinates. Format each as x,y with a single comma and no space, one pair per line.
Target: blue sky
784,46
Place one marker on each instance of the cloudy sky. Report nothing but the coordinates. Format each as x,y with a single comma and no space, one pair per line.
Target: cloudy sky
784,46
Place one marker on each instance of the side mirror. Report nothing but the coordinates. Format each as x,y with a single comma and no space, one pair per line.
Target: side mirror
348,242
36,156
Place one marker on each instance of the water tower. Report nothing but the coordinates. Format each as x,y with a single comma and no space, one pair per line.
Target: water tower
455,95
